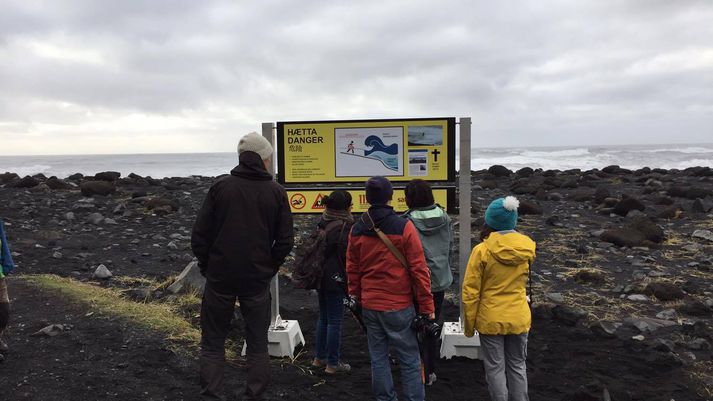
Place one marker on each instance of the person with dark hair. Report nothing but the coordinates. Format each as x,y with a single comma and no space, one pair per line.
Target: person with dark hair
436,232
387,289
495,300
241,236
337,221
6,266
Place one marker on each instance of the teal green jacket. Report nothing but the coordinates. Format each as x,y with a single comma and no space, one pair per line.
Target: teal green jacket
436,231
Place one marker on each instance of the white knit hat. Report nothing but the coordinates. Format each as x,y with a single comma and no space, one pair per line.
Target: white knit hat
254,142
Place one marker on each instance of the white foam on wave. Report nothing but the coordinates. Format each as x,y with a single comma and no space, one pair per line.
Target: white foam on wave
26,170
692,149
557,153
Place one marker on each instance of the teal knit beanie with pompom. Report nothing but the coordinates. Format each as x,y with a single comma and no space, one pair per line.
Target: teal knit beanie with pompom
501,215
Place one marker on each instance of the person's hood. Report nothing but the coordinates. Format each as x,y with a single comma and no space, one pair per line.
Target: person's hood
378,213
511,248
428,220
251,167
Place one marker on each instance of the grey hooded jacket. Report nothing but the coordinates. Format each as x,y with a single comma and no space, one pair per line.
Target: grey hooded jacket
434,228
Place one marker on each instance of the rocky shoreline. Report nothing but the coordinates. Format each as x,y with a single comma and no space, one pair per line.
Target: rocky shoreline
622,286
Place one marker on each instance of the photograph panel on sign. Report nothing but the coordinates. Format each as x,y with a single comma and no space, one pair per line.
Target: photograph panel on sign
425,135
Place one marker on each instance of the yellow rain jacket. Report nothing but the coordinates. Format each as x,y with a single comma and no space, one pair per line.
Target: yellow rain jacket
494,299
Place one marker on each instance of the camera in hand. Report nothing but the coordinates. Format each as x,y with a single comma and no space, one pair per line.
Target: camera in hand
352,305
422,324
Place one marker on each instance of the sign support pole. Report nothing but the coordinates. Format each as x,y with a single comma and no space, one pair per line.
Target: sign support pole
454,342
275,319
464,205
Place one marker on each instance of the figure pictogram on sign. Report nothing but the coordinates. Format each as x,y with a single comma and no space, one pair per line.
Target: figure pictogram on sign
298,201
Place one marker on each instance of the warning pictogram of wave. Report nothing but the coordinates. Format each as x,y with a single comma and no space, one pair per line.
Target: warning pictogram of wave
377,145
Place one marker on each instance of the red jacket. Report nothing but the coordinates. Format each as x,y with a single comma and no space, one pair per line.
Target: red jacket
376,277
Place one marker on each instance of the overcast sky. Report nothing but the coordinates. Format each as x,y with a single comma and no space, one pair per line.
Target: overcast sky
193,76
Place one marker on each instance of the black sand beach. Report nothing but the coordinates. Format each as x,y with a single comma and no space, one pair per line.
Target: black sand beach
623,296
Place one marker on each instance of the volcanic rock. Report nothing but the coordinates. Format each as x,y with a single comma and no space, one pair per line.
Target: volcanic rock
107,176
626,205
670,212
56,183
694,308
27,182
664,291
8,177
648,228
158,202
568,315
605,329
702,206
648,325
499,171
91,188
95,218
703,234
102,272
624,237
524,172
189,279
590,276
527,207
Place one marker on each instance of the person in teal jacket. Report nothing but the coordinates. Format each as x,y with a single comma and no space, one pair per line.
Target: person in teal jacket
6,266
436,232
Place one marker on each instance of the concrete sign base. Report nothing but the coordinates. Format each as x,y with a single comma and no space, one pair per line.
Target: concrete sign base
454,343
283,339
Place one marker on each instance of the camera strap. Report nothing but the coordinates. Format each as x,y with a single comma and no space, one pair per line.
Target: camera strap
394,251
392,248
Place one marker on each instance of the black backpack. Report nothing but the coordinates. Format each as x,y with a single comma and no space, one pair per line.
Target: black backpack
309,259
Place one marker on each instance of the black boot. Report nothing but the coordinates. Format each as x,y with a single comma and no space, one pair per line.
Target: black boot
258,376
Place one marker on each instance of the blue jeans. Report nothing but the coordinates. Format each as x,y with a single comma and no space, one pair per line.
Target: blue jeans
329,326
393,328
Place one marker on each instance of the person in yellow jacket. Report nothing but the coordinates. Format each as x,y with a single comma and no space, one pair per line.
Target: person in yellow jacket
495,302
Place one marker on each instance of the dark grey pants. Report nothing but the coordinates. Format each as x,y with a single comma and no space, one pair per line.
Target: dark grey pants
216,314
505,368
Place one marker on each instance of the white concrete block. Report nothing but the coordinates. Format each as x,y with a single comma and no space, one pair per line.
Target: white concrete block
283,339
455,343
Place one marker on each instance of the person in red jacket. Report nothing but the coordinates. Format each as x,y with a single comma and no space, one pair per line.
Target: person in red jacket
386,291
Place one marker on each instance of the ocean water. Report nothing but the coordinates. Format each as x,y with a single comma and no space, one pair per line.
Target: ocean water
213,164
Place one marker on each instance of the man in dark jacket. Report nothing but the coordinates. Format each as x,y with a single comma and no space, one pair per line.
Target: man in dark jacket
242,235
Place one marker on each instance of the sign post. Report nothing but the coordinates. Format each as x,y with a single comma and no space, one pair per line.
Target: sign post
455,343
275,320
464,205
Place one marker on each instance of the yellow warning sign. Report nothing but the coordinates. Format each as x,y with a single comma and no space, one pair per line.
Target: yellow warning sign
353,151
313,199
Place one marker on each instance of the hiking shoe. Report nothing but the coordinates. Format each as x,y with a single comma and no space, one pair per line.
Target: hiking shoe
431,379
3,347
340,368
317,363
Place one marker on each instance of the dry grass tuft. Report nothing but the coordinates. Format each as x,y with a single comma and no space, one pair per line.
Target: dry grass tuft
161,318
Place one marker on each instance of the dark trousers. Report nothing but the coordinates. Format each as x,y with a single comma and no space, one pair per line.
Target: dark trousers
432,346
4,305
216,313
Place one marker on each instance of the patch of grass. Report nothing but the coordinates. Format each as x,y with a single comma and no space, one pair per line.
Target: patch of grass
156,317
702,374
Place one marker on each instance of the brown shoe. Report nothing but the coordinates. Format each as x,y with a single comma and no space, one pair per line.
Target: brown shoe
317,363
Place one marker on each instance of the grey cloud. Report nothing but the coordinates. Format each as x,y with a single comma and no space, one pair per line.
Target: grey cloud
530,73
